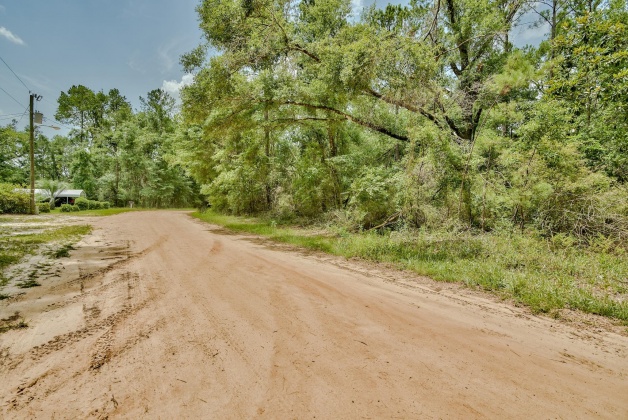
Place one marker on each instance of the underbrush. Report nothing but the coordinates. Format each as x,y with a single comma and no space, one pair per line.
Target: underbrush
545,275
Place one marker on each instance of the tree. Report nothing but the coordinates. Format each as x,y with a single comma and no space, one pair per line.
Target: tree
158,108
591,75
13,155
52,188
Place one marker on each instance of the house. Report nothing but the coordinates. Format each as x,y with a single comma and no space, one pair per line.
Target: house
61,197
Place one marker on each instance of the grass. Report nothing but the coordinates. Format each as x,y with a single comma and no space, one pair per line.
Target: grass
13,322
102,212
63,251
531,271
14,247
27,284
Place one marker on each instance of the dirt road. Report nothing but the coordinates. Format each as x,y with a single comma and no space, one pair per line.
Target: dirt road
160,316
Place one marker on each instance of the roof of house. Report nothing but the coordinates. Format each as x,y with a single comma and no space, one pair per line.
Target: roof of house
61,193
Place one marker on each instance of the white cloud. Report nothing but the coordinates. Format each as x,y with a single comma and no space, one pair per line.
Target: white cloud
136,64
529,35
173,87
11,36
356,7
165,52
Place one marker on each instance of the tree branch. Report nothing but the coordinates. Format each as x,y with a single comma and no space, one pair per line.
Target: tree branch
351,118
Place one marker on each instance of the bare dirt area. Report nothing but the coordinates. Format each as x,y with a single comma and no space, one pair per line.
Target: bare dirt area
157,315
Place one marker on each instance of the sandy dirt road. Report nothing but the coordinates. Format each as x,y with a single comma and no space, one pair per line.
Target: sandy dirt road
161,316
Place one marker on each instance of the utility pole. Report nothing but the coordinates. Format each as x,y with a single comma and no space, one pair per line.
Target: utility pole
32,151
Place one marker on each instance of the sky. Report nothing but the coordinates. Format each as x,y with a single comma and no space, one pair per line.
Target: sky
131,45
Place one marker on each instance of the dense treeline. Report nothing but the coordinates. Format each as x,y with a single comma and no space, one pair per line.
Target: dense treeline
115,154
423,115
419,116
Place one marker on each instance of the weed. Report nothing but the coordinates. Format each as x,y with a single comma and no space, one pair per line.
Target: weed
63,252
26,284
13,322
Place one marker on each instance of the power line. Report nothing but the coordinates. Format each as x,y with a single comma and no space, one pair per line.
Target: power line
25,111
11,96
18,77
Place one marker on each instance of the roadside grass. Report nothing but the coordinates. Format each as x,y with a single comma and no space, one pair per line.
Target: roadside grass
101,212
110,211
544,275
14,247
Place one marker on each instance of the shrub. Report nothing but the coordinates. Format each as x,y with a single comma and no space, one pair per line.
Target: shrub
94,205
66,208
75,208
105,204
13,200
372,197
44,207
82,203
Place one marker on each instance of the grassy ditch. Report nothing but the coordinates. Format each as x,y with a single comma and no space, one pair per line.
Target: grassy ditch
545,275
14,247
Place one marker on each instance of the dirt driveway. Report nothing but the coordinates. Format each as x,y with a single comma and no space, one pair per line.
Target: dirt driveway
160,316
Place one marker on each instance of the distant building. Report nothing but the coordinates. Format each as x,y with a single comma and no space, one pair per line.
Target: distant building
61,197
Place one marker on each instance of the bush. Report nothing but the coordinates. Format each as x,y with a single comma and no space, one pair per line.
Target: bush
44,207
372,197
82,203
94,205
66,208
13,200
75,208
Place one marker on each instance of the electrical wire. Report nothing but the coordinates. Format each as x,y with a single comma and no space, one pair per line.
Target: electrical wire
11,96
18,77
24,113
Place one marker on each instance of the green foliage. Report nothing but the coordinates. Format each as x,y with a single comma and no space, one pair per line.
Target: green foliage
13,155
13,200
82,203
43,207
93,205
589,74
66,208
53,188
372,196
63,251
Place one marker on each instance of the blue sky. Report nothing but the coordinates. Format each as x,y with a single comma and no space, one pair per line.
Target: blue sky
131,45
